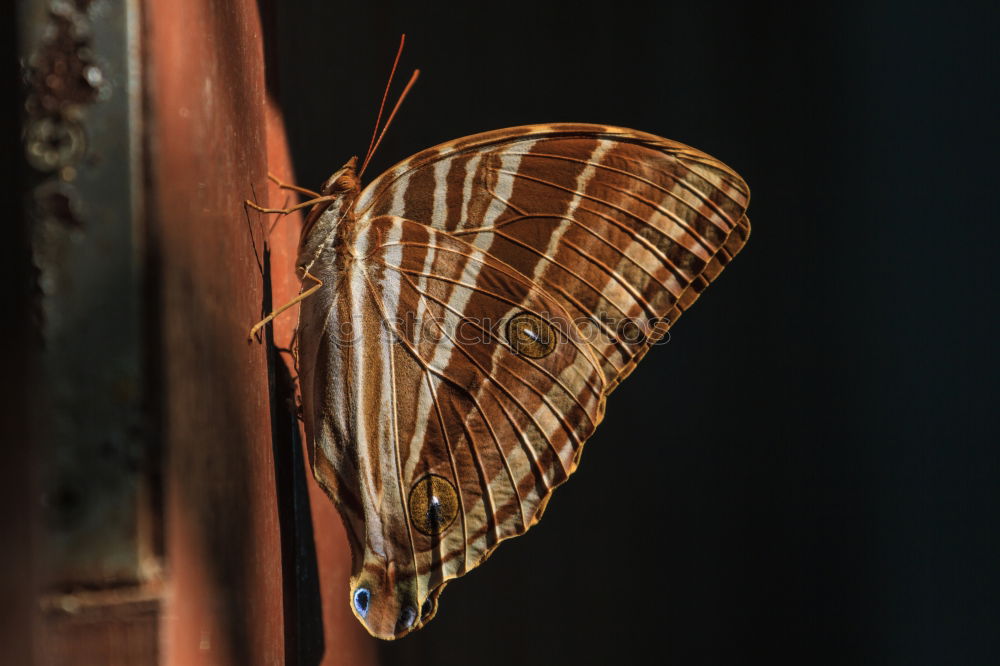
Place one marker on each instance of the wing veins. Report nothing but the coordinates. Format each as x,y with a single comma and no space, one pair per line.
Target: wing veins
531,451
587,257
704,197
599,200
555,379
572,220
487,376
373,292
509,394
697,236
571,434
488,498
503,457
513,305
454,470
628,231
534,250
403,497
635,176
518,276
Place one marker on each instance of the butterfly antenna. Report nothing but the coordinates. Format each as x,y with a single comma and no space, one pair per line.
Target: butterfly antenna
399,102
385,95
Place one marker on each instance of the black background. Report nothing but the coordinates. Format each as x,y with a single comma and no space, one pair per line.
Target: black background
807,473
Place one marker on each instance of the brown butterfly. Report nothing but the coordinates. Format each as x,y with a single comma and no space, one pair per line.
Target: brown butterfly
468,313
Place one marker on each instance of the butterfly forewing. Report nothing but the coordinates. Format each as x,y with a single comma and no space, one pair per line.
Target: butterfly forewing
622,227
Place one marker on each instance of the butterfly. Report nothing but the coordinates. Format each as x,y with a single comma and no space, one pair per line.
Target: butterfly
463,320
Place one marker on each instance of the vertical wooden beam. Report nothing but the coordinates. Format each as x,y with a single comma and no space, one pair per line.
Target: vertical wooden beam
256,557
206,88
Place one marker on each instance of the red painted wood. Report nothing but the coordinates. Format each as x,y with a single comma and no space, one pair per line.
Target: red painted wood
213,136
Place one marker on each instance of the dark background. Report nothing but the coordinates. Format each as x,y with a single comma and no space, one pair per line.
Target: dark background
808,472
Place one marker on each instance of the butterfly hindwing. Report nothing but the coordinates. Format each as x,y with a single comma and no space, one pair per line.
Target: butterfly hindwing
508,425
415,355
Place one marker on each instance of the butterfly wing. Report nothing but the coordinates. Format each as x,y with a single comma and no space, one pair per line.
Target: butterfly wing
496,289
445,426
624,228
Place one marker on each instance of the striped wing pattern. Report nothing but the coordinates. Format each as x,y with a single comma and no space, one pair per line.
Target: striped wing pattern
407,367
620,226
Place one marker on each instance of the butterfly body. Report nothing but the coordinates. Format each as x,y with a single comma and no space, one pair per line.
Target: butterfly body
480,301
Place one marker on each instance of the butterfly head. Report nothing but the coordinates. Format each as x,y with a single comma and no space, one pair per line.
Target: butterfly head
343,180
385,600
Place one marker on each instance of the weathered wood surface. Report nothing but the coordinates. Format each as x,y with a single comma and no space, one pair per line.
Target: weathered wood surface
243,587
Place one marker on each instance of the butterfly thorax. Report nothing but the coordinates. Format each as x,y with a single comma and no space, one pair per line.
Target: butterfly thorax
330,225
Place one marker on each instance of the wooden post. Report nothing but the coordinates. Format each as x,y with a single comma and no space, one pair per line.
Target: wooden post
242,514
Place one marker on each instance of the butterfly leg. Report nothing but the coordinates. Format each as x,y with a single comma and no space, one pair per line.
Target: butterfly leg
286,211
287,186
298,299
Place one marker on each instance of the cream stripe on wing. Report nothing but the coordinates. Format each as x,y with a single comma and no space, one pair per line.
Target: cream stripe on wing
439,196
399,192
390,388
582,181
442,350
389,297
470,178
392,291
423,399
359,406
510,162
